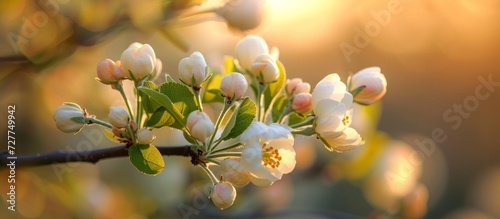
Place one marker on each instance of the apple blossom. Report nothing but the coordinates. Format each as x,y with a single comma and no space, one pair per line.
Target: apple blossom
233,172
200,125
268,152
233,86
138,59
69,117
248,49
118,116
301,103
296,86
243,14
108,71
265,69
374,83
192,69
223,195
145,136
330,87
157,70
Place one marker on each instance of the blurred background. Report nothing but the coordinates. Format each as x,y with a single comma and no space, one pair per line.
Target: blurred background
432,142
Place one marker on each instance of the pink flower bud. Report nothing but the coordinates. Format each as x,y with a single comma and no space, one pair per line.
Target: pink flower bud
200,125
374,82
265,69
233,86
223,195
192,69
145,136
233,172
243,14
296,86
118,116
139,59
302,103
67,117
108,71
248,49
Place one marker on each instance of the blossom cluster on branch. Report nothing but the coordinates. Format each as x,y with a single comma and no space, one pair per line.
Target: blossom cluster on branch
252,139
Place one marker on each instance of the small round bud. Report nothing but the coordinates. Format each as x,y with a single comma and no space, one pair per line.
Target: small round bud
233,172
223,195
108,71
118,117
248,49
69,118
138,59
233,86
302,103
374,82
145,136
200,125
192,69
243,14
265,69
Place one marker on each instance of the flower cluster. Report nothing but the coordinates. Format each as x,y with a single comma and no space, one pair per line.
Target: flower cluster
251,141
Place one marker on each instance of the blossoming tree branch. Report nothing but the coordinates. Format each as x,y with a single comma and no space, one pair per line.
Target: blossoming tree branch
252,139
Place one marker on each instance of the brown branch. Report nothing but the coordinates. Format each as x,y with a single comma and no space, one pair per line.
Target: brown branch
92,156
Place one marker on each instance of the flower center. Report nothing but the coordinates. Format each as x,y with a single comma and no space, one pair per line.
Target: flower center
346,119
270,156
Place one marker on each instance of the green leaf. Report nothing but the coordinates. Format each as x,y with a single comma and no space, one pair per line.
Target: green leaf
161,117
189,138
182,98
169,78
146,158
240,120
164,101
212,92
148,105
229,65
273,89
278,107
295,118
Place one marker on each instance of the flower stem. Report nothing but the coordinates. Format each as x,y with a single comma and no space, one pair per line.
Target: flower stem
210,174
217,124
304,123
119,87
227,148
198,99
226,154
100,122
285,112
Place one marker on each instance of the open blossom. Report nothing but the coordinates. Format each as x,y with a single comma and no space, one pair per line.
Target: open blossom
223,195
297,86
243,14
268,153
67,116
108,71
200,125
265,69
301,103
139,59
192,69
233,171
374,82
233,86
248,49
118,116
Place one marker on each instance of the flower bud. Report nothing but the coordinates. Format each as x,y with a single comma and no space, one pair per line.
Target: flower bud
296,86
108,71
248,49
145,136
157,70
374,82
69,118
243,14
192,69
233,172
223,195
302,103
118,116
233,86
265,69
139,59
200,125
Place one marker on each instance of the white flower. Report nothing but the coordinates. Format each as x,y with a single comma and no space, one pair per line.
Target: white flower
248,49
69,118
108,71
265,69
374,82
243,14
268,153
118,116
145,136
139,59
233,86
223,195
329,87
192,69
157,71
200,125
233,172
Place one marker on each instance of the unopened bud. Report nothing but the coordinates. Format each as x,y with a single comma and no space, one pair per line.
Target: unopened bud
265,69
109,72
302,103
145,136
138,59
200,125
192,69
233,172
223,195
374,82
248,49
233,86
243,14
69,118
118,116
